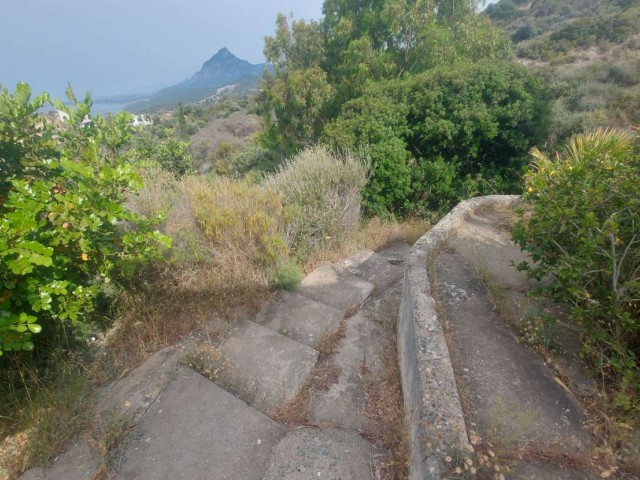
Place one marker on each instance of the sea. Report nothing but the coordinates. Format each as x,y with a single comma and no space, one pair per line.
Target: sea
98,108
104,108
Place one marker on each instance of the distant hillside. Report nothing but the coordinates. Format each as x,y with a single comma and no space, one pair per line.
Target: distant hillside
590,51
224,73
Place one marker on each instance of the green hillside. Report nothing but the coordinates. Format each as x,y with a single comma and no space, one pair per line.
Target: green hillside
590,52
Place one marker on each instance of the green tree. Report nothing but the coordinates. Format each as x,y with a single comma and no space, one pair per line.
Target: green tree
170,153
294,97
318,66
181,129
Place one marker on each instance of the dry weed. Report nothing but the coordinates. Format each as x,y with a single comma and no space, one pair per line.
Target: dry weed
323,375
172,303
374,235
385,408
377,234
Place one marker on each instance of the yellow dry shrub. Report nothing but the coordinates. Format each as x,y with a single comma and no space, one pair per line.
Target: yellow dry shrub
240,217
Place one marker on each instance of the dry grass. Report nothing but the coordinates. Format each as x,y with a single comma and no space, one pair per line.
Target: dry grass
375,235
385,408
233,132
323,375
35,434
173,303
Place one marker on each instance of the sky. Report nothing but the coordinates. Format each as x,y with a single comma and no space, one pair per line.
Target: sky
114,47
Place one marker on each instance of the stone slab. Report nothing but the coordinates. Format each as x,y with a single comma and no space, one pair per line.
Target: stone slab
196,430
132,395
335,287
506,389
80,461
270,366
373,268
322,454
300,318
360,353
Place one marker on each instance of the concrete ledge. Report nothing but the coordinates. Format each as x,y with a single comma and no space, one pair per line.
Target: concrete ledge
434,415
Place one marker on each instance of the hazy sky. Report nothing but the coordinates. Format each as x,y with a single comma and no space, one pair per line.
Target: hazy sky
129,46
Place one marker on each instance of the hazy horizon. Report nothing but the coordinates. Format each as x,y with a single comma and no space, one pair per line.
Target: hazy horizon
121,47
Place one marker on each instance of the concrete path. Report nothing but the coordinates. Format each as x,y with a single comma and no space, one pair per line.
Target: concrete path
511,397
188,426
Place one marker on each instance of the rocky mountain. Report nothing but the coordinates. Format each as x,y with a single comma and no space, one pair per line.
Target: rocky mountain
222,72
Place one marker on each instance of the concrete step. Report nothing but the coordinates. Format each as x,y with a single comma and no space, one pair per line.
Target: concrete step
300,318
336,287
373,268
359,355
396,254
322,454
197,430
79,461
131,395
265,369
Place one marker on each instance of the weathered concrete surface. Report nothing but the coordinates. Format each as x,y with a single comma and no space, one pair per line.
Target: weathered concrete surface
336,287
80,461
507,390
300,318
434,412
129,398
374,268
196,430
541,471
484,242
132,395
271,366
322,454
396,254
359,353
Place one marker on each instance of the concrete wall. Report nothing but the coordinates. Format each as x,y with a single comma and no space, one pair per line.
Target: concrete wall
432,404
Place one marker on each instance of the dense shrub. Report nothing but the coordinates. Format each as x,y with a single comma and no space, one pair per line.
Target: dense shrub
584,232
169,152
428,134
600,31
506,10
64,229
324,192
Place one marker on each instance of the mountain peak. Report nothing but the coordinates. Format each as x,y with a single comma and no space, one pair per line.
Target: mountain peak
222,59
224,68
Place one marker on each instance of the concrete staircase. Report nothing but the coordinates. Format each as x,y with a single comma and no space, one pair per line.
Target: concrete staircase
189,427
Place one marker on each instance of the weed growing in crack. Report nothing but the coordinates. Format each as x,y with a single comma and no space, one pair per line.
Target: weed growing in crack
385,408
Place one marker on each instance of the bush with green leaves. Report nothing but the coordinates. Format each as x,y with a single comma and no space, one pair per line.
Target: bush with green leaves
430,136
584,233
323,192
168,152
64,229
